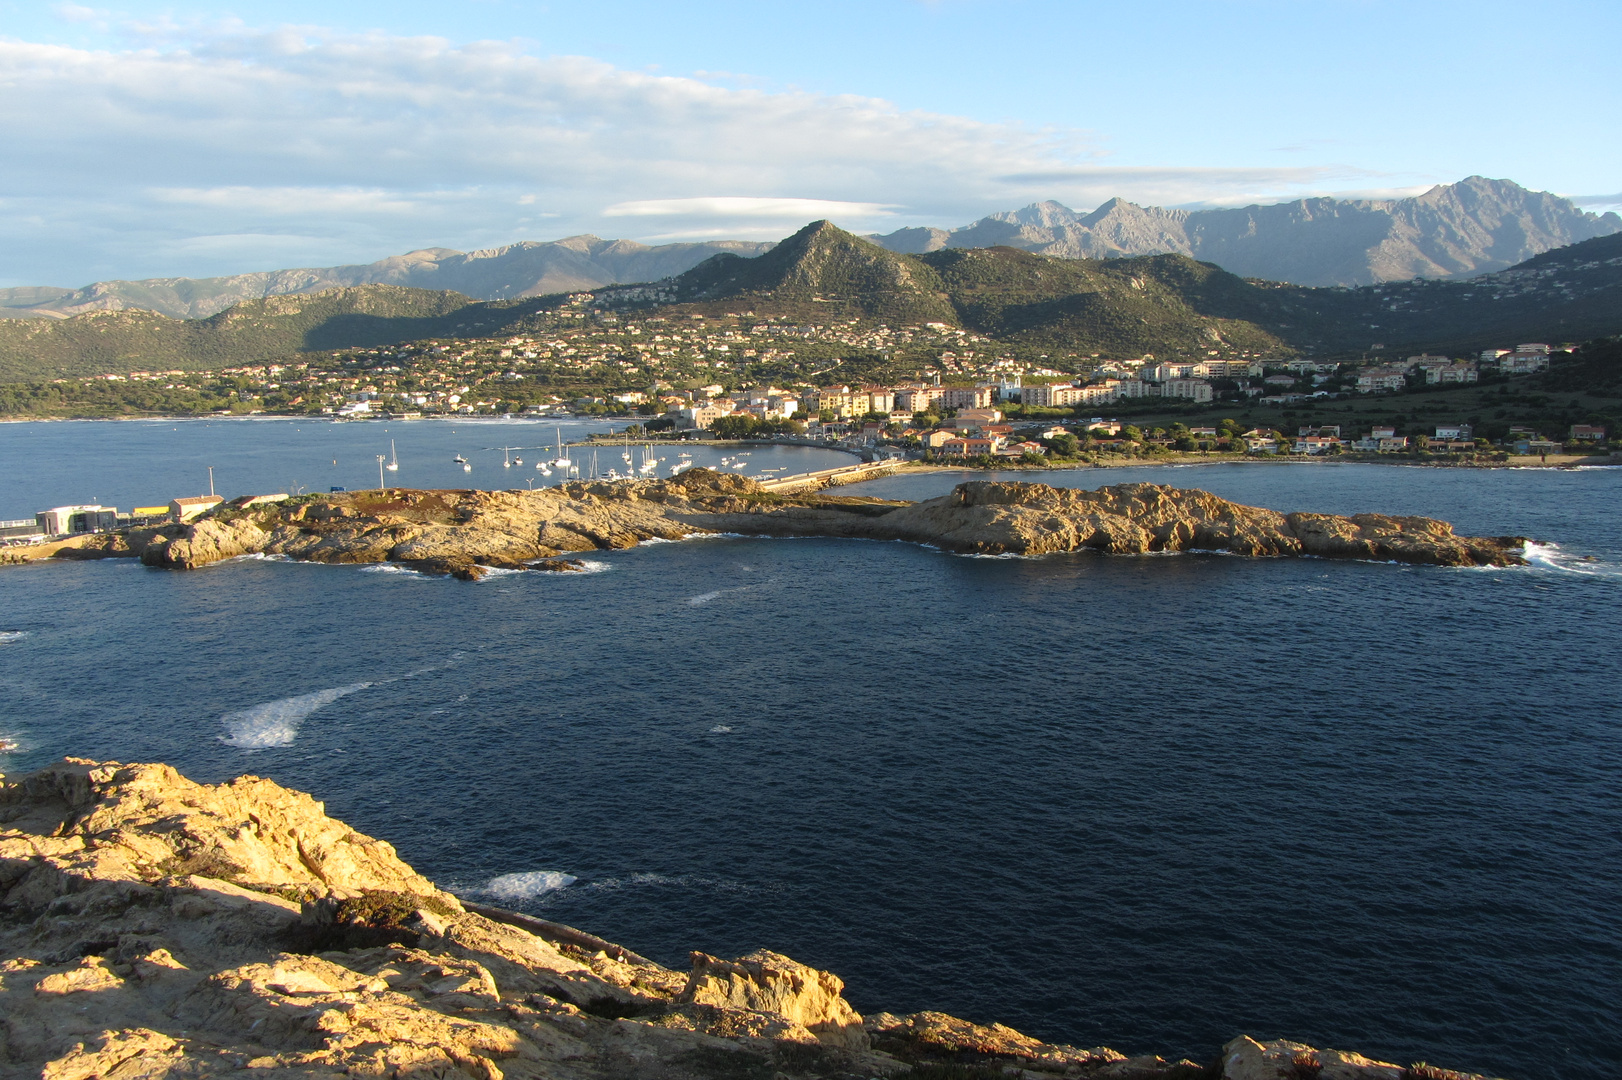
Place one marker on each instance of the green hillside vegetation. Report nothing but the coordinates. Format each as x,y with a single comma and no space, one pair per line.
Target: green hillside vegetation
1164,304
1031,305
1168,305
272,328
822,265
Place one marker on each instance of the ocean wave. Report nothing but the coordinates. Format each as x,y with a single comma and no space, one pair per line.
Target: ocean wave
276,723
690,536
720,729
393,568
1548,556
7,637
527,885
594,566
681,881
714,594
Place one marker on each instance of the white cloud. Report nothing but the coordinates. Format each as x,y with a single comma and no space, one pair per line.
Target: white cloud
297,202
735,207
349,148
1599,204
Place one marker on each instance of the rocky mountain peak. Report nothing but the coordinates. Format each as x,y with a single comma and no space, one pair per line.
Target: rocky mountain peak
1478,225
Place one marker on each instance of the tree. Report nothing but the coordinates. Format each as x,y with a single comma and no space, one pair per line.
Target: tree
734,427
1065,445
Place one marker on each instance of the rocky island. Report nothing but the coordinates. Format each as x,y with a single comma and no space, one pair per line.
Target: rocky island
465,532
155,927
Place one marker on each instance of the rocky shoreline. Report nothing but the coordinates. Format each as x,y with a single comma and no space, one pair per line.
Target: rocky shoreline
154,927
464,532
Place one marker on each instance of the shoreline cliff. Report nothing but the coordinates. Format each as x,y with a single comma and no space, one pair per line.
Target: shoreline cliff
154,927
465,532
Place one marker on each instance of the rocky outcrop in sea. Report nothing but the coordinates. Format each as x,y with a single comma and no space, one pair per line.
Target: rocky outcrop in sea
466,532
154,927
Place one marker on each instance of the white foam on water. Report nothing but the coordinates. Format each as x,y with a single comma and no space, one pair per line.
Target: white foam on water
682,540
594,566
501,571
1548,556
9,636
276,723
704,598
720,729
685,881
527,885
259,556
393,568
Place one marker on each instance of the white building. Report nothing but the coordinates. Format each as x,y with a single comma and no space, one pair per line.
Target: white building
64,520
1191,389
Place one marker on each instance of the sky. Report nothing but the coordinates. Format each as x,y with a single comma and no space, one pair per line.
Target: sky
194,139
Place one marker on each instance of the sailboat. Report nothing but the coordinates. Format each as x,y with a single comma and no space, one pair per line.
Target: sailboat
506,457
562,460
394,461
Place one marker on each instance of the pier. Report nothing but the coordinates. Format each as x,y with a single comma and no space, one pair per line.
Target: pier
844,474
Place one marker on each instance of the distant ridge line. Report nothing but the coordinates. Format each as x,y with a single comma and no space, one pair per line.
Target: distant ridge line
1477,226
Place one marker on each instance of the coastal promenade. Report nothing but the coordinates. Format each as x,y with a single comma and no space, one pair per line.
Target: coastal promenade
844,474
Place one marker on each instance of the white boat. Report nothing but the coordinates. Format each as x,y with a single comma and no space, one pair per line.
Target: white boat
506,458
459,460
467,466
394,461
562,460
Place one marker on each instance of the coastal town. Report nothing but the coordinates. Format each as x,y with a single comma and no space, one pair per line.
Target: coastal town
924,389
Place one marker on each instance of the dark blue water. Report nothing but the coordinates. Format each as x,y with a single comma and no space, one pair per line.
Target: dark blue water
1147,802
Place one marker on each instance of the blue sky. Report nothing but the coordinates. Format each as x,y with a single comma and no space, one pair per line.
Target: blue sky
191,139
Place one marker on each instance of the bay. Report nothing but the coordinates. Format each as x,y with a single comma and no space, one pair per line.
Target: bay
1148,802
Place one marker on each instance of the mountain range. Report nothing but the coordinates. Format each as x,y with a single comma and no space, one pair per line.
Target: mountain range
1475,226
1453,230
531,268
1169,305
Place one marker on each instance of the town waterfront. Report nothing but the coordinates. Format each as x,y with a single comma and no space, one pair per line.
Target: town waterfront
1146,802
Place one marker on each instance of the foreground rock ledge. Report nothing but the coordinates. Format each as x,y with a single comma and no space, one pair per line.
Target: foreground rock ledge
154,927
466,532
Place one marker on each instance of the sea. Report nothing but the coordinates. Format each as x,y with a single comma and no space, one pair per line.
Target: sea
1148,802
